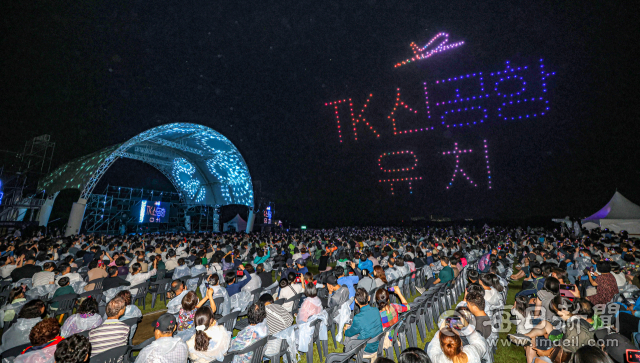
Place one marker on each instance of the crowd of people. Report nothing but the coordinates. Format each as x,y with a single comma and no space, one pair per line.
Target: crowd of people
571,283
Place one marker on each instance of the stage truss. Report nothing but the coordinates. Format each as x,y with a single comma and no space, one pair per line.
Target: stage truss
107,213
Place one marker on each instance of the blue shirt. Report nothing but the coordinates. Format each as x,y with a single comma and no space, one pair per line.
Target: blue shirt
349,282
237,286
303,270
366,265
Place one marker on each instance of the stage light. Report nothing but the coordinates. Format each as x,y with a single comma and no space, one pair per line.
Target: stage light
143,207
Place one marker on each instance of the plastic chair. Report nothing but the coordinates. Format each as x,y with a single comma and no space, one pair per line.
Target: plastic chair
256,294
160,287
356,351
131,322
256,348
84,333
141,294
229,320
315,339
66,303
97,283
96,294
7,324
14,352
114,355
284,351
296,302
332,324
139,347
411,320
378,338
4,285
218,301
4,298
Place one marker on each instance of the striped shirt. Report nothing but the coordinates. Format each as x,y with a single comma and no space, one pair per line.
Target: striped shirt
111,334
42,278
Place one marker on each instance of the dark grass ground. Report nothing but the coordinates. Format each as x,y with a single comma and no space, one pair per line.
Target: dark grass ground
506,353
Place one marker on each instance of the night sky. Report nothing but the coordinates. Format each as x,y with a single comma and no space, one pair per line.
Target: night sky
96,73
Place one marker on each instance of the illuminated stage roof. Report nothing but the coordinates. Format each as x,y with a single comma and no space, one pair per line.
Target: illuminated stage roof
203,165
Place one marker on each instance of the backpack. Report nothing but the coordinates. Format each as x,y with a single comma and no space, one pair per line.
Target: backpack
484,263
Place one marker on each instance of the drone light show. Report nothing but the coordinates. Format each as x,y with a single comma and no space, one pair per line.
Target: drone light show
461,110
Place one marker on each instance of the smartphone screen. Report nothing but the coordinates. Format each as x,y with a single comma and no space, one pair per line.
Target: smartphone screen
633,356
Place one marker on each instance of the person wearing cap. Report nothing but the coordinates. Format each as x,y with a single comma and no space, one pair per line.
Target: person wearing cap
337,295
166,348
302,269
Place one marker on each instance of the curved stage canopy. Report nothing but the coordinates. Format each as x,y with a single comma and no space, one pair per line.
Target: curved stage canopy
203,165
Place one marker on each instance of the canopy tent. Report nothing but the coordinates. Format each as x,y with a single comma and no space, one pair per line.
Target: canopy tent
617,215
237,223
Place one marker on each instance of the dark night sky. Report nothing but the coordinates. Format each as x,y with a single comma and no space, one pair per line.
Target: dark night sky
95,73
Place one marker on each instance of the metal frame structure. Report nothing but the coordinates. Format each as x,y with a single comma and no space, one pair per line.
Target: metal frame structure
19,174
204,166
107,212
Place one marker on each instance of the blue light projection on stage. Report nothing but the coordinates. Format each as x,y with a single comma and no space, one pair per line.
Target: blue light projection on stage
229,170
191,185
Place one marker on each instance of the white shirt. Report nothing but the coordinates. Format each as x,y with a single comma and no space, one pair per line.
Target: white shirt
43,278
620,279
73,277
475,350
139,278
287,293
6,270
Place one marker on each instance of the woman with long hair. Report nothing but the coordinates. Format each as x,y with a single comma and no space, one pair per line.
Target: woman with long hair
380,277
577,332
446,345
389,312
211,341
522,314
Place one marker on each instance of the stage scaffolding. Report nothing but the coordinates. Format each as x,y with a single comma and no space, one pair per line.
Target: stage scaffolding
112,213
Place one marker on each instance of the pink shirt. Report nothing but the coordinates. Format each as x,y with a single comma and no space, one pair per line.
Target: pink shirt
311,306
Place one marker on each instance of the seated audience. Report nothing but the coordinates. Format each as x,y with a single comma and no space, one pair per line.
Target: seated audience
165,347
256,330
85,318
43,337
30,314
211,341
74,349
112,333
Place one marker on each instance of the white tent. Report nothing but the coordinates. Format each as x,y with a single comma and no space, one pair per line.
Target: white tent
237,224
619,214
